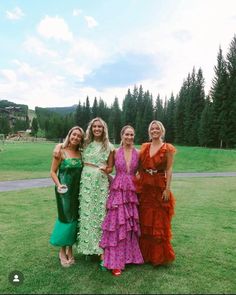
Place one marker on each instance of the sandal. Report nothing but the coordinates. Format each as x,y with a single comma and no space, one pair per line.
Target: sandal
101,266
63,260
71,260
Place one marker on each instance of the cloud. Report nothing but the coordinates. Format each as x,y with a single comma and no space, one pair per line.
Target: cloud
34,45
14,14
28,85
91,22
77,12
82,58
8,75
182,35
55,28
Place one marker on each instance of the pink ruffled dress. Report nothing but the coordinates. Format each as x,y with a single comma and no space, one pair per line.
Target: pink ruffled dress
120,228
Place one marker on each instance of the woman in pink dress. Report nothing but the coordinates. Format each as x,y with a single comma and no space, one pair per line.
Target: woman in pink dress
121,231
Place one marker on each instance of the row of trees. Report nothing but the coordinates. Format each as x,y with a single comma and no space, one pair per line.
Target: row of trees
190,118
13,117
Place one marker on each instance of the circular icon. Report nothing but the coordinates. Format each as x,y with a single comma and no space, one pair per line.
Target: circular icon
16,278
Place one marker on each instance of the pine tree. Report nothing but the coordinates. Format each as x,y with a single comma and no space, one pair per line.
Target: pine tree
138,118
115,122
180,111
170,122
95,108
205,135
147,115
34,126
88,114
218,94
4,125
230,104
129,107
159,109
79,118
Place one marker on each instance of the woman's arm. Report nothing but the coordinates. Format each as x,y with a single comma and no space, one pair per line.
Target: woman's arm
170,161
54,168
57,150
110,163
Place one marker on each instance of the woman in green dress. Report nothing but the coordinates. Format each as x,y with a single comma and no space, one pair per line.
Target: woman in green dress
98,159
66,172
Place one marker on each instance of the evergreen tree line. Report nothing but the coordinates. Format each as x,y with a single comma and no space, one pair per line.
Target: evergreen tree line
190,118
13,120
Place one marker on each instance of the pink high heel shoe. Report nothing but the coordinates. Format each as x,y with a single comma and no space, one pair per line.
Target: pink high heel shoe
116,272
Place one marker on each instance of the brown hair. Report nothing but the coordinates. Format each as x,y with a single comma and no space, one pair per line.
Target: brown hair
123,131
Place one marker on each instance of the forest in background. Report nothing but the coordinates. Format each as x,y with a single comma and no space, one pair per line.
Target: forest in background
191,117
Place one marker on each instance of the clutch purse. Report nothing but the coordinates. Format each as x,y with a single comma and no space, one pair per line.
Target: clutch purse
63,189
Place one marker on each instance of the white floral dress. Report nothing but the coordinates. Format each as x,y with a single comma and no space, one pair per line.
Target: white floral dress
92,197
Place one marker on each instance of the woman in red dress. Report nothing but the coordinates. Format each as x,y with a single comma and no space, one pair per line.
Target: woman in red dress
156,203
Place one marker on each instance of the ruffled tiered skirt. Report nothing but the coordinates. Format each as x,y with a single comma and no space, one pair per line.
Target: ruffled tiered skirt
155,221
121,231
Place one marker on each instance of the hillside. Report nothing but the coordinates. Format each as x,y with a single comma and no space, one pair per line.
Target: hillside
31,115
63,110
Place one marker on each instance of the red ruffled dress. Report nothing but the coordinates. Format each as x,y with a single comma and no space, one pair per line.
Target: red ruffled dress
155,214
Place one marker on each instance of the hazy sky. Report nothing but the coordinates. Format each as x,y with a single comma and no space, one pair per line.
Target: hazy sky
56,52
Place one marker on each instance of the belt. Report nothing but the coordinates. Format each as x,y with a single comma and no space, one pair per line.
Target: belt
94,166
91,165
153,171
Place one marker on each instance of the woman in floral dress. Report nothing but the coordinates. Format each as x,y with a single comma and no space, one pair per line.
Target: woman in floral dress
98,162
120,238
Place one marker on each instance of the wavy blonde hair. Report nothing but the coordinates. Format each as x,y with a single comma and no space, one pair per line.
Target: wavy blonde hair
160,125
67,139
89,137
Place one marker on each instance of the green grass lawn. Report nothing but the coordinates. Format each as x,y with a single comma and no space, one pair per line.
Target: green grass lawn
33,160
204,229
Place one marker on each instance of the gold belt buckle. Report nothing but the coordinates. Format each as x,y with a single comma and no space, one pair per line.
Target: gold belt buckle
150,171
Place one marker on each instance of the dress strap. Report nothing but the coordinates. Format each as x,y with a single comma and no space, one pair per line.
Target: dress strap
64,153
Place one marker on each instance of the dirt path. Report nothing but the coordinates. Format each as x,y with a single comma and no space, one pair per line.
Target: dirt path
45,182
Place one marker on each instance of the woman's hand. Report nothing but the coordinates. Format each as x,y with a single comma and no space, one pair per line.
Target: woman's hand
103,168
166,195
137,176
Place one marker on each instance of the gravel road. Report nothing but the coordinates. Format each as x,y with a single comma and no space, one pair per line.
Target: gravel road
45,182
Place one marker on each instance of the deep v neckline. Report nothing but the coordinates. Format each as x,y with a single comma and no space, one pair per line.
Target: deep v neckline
128,164
149,151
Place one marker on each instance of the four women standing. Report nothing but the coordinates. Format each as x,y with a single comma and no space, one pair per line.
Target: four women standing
117,233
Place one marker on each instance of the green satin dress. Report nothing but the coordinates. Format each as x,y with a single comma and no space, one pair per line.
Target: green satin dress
65,229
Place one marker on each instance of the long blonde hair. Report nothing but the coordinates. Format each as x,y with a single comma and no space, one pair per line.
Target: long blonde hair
160,125
67,139
89,137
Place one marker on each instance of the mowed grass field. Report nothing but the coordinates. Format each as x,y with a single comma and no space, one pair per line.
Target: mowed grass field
33,160
204,229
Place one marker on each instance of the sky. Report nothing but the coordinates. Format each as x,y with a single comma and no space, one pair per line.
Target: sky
56,53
